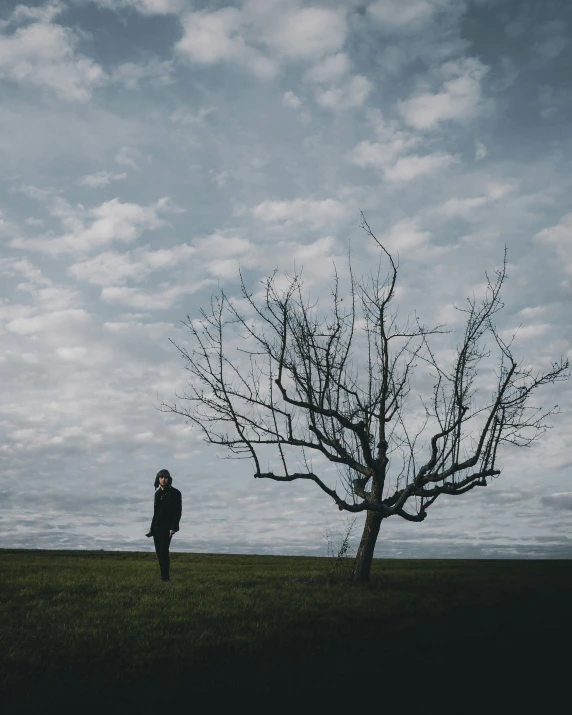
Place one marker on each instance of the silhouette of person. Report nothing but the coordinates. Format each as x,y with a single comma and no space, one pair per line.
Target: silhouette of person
166,518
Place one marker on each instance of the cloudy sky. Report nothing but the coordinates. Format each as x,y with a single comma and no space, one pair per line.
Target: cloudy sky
151,147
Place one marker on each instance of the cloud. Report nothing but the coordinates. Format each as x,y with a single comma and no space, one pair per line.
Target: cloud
532,312
110,221
351,94
314,213
403,16
412,166
157,299
552,39
130,75
330,69
289,99
112,268
109,268
468,208
188,118
49,322
526,332
43,13
147,7
101,178
43,55
284,30
22,267
560,236
405,237
385,155
128,156
393,140
217,36
465,208
561,501
481,151
307,32
338,91
459,100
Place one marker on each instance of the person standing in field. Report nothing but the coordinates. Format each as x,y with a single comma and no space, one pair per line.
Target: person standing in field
166,517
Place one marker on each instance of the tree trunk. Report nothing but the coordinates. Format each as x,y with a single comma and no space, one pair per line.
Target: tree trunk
364,554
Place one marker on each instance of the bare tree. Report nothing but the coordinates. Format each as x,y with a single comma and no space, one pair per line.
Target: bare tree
278,372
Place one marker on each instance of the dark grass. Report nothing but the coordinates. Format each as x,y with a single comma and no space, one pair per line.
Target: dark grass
100,628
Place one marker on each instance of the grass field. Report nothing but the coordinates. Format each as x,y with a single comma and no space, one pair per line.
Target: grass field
101,628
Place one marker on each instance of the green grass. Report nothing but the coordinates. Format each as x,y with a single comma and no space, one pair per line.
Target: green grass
100,627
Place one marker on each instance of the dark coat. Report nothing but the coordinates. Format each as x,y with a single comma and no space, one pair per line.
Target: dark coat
167,511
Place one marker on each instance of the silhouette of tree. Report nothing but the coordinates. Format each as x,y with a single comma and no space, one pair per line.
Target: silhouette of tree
338,384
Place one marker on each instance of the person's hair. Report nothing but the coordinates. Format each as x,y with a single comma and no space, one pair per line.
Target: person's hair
163,473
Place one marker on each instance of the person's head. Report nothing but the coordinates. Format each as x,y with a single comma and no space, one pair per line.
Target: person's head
163,479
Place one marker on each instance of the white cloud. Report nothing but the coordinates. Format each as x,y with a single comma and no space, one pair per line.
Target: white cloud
330,69
220,177
289,99
338,91
525,332
168,257
314,213
72,354
405,237
101,178
188,118
560,236
24,268
351,94
147,7
158,299
403,16
222,255
216,36
112,268
481,151
127,156
532,312
462,207
43,55
287,31
110,221
379,155
413,166
458,100
307,254
385,155
52,297
43,13
306,33
217,244
49,322
130,74
109,268
468,207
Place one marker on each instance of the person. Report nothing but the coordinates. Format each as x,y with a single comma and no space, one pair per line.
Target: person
166,518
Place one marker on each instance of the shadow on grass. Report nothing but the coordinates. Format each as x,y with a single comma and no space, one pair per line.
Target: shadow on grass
108,634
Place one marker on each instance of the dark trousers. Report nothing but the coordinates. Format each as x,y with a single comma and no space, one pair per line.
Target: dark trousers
162,542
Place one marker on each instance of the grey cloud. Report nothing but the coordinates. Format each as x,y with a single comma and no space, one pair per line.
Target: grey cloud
499,497
561,501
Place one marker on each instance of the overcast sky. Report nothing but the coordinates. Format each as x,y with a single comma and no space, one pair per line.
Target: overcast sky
151,147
